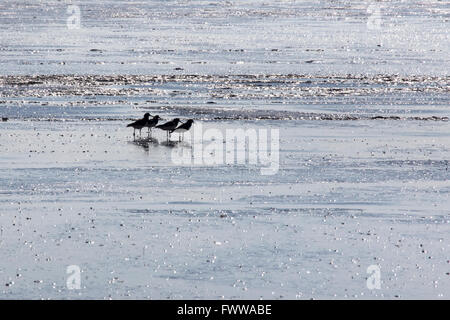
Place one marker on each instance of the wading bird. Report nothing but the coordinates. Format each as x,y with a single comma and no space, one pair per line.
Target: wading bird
139,124
152,123
183,128
169,126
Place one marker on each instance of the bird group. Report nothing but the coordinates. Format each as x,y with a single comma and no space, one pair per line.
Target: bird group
169,127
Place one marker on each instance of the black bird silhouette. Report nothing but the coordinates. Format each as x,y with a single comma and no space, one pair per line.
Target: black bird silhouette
139,124
152,123
169,126
183,128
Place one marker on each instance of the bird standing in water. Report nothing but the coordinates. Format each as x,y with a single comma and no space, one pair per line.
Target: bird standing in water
183,128
169,126
139,124
152,123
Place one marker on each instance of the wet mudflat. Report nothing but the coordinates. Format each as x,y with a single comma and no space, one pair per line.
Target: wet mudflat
362,175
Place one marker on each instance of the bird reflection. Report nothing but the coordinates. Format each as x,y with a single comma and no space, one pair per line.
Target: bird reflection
170,144
145,143
152,142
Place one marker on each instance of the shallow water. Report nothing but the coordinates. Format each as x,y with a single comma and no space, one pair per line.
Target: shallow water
364,150
226,37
